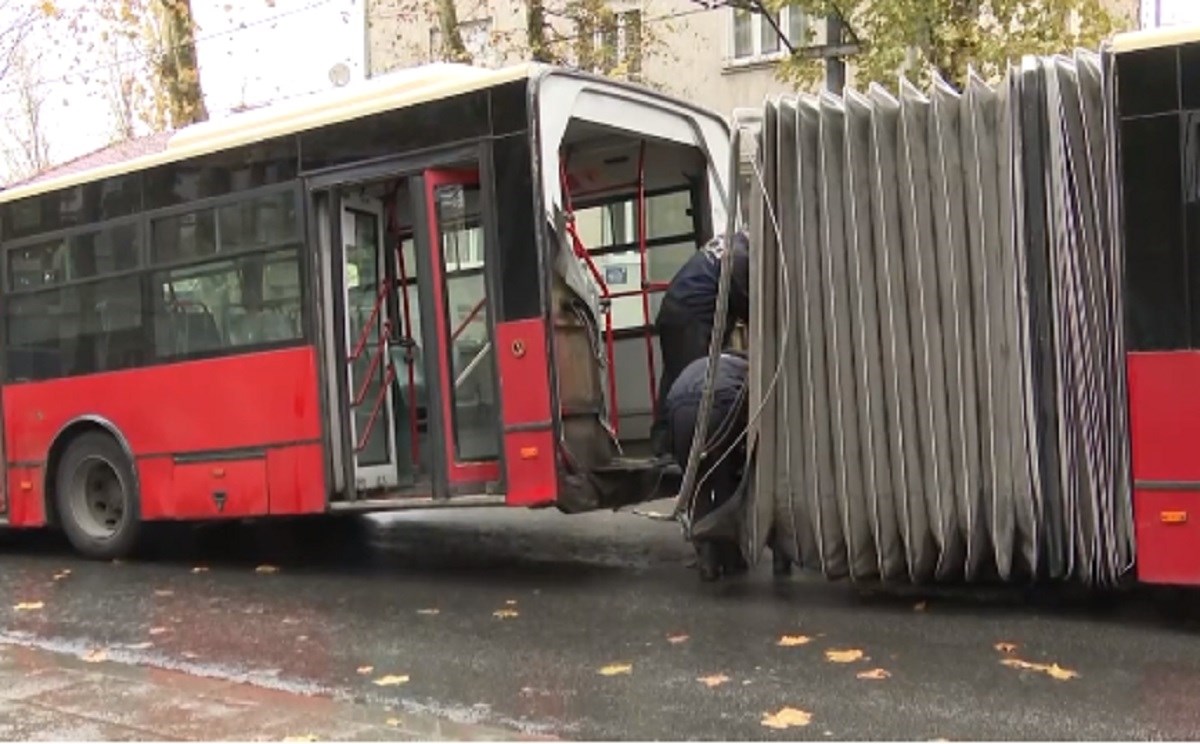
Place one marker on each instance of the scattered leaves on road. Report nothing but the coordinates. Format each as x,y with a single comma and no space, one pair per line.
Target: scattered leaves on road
265,569
787,718
843,656
164,593
504,614
794,640
612,670
1053,670
158,630
199,569
874,674
678,638
95,656
28,606
391,680
428,611
365,669
713,680
1005,647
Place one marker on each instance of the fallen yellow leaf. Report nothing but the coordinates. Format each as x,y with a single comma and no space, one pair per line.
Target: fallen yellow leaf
392,680
713,680
200,569
267,569
843,656
1006,648
365,669
504,614
613,670
95,656
428,611
164,593
787,718
680,638
794,640
62,574
510,602
157,631
25,606
874,674
920,606
191,655
393,722
140,646
1053,670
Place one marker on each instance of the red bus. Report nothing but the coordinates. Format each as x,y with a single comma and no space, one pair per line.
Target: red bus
432,289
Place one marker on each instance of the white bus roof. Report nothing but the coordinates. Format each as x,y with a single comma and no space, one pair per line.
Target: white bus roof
1154,38
387,92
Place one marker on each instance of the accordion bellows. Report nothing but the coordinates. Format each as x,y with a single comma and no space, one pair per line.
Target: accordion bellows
937,332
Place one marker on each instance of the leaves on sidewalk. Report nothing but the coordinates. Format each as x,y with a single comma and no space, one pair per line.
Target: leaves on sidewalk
28,606
787,718
843,656
1005,647
612,670
365,669
713,680
157,630
678,638
1053,670
428,611
164,593
793,640
391,680
62,574
874,674
504,614
95,656
394,722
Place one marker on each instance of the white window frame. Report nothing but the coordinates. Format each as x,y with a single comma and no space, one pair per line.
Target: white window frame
759,25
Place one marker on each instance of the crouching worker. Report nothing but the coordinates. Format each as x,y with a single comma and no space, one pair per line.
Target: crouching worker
685,319
723,459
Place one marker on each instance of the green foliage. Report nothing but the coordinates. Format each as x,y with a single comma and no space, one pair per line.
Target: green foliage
922,38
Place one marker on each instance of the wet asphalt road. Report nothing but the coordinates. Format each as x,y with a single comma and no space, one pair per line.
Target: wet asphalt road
576,594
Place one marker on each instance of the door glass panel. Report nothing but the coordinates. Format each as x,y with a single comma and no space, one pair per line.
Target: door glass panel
366,316
475,425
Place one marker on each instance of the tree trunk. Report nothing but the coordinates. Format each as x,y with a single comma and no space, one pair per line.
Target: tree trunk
177,67
454,50
535,31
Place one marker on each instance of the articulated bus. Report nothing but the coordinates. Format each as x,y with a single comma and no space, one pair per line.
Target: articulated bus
433,288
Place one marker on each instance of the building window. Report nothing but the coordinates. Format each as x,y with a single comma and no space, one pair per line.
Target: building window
755,39
616,45
477,38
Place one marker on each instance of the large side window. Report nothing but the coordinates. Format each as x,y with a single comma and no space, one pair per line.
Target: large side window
230,277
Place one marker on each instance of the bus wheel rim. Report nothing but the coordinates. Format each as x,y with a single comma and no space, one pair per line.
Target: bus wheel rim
97,498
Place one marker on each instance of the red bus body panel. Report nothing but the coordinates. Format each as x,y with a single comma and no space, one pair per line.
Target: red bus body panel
247,427
1164,416
529,451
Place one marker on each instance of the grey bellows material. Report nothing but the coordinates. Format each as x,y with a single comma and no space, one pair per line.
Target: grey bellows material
936,335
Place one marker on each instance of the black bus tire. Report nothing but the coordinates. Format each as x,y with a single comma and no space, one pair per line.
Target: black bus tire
96,498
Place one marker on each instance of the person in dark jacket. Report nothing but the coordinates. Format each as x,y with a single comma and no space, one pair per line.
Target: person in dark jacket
686,317
723,460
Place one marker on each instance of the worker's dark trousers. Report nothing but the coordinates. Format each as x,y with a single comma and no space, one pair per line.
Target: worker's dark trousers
682,340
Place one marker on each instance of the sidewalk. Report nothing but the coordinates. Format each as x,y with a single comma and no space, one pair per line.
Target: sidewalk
57,697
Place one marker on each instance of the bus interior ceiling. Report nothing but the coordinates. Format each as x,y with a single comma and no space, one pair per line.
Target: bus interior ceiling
638,209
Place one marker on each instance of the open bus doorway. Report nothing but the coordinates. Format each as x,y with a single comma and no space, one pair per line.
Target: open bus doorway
413,379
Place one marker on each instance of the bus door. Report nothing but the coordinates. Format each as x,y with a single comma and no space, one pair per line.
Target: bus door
465,365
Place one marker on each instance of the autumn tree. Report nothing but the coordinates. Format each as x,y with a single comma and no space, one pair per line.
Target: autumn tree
28,150
920,38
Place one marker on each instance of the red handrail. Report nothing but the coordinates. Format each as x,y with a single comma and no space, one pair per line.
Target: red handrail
467,320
